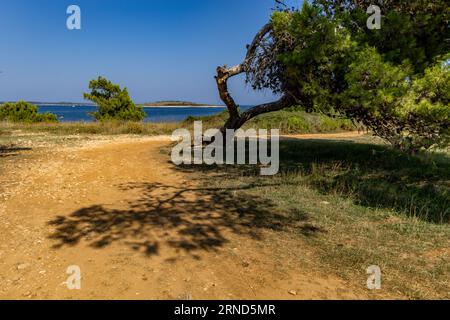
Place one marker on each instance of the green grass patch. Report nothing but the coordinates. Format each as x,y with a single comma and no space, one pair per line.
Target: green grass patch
290,121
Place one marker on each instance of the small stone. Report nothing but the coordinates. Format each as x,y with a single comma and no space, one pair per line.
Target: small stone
245,264
293,292
23,266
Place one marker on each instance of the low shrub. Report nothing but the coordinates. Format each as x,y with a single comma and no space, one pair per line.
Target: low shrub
24,112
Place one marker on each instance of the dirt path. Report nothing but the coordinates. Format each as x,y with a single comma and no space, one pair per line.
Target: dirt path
138,228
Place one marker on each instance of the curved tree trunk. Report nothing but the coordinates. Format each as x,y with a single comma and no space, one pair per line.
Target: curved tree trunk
237,119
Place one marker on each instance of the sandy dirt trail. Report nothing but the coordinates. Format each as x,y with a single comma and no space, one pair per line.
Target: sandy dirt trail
138,228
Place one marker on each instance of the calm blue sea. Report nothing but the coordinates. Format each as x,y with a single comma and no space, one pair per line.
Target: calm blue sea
81,113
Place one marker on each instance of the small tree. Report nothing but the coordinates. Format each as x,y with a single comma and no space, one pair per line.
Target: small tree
112,102
24,112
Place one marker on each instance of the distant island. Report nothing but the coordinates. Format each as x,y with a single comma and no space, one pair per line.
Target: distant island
178,104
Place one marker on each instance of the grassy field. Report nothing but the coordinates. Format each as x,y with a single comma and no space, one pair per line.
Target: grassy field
358,203
287,121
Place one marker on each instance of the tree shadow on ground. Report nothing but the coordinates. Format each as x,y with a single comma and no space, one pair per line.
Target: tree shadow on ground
187,219
372,175
11,150
375,176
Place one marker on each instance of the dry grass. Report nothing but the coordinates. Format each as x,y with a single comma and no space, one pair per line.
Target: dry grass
94,128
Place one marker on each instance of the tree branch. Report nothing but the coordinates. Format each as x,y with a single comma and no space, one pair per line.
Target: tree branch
284,102
224,73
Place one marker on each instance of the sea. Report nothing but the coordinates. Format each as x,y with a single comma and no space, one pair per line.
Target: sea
77,113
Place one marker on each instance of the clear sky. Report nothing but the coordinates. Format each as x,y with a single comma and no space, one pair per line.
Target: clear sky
159,49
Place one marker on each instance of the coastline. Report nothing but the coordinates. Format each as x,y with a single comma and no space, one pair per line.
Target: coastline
179,107
143,106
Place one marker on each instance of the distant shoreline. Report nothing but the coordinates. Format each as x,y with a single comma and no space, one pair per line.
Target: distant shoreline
183,106
162,104
143,106
53,104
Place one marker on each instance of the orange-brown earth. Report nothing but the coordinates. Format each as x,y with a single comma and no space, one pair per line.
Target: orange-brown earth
139,229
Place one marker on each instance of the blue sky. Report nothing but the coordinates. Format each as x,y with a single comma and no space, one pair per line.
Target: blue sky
159,49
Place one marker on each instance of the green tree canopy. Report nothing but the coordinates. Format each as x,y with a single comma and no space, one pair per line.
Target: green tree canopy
113,103
324,58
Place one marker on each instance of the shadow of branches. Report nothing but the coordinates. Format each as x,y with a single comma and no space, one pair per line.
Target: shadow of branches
183,218
11,150
372,175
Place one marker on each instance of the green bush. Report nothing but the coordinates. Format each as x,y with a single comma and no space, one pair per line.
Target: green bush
330,124
24,112
296,123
